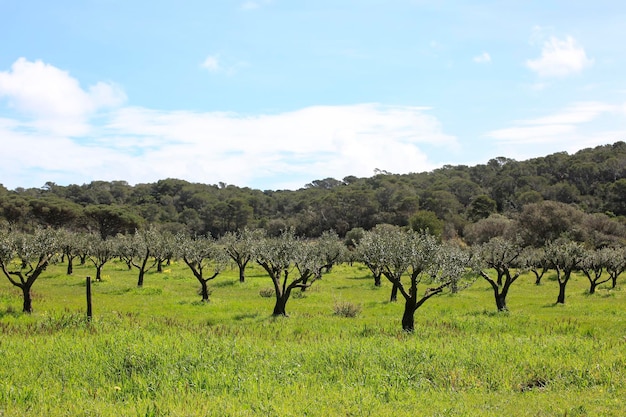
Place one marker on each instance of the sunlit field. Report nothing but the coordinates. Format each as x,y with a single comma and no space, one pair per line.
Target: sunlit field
159,351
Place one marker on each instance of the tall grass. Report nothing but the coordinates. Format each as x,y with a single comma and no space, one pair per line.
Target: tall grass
159,351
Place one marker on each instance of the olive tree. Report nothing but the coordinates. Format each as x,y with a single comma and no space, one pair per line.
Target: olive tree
615,259
373,250
141,251
240,247
565,256
23,258
100,251
420,256
593,267
71,245
163,248
202,254
290,262
501,255
534,259
331,249
366,252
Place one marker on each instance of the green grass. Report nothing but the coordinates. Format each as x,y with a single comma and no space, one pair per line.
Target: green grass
159,351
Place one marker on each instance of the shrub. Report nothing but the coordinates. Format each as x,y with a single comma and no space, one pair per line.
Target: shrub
266,292
346,309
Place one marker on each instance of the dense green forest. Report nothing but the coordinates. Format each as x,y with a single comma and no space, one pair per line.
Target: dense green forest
447,200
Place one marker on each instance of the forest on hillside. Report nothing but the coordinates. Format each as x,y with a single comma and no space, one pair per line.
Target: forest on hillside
447,200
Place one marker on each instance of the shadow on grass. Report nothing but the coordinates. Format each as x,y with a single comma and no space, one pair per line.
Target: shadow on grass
553,305
9,312
363,277
343,287
489,313
221,284
117,291
243,316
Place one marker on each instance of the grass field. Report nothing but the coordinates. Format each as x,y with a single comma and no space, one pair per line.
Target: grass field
158,351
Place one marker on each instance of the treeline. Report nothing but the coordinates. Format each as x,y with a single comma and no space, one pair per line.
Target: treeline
501,253
447,200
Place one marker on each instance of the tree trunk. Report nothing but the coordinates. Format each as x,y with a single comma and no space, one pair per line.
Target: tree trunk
160,266
499,292
501,302
408,318
99,273
561,298
592,287
377,280
28,301
70,265
205,291
140,279
279,307
242,276
500,275
613,281
394,293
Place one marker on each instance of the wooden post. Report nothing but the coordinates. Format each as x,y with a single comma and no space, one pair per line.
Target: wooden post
89,312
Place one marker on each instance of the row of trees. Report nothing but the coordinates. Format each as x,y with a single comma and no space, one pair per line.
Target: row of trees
291,262
408,259
396,253
450,199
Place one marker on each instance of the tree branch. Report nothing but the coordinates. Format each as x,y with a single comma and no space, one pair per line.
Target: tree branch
9,273
431,292
489,280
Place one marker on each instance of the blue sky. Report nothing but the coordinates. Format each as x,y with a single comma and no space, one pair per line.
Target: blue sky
273,94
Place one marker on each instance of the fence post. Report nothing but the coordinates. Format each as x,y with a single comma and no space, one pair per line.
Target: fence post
89,311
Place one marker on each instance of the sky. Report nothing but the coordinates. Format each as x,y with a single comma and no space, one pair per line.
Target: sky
274,94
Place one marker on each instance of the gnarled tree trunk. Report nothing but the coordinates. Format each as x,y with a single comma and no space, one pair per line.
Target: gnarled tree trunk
561,298
28,301
408,317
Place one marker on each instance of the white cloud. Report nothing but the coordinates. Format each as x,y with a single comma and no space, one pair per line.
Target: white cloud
215,63
211,63
482,58
314,142
42,90
581,112
560,58
282,150
53,99
576,127
532,134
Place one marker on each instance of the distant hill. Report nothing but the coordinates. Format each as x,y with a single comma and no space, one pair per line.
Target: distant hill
594,180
